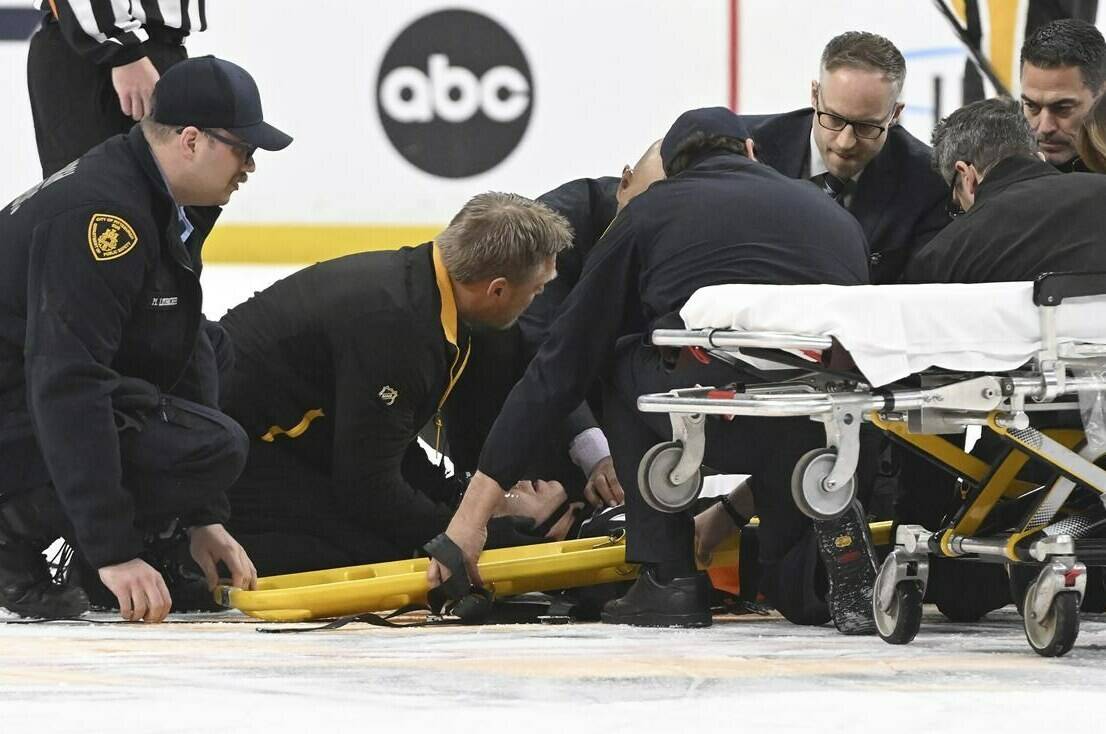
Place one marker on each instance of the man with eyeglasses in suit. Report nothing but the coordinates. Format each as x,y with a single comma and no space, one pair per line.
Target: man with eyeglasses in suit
850,144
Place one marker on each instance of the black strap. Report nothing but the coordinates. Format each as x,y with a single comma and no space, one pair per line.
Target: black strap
739,520
457,595
555,517
377,620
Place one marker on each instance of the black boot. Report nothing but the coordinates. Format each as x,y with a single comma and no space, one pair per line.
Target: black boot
682,602
169,553
29,523
845,546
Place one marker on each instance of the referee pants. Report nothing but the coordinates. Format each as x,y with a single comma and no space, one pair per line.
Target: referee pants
73,101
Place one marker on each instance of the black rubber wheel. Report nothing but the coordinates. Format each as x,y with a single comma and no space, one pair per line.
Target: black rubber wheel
812,499
655,483
1055,634
900,625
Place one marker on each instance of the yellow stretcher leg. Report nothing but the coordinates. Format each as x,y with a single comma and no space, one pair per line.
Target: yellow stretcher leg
380,587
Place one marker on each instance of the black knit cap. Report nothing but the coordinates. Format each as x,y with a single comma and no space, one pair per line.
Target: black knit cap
210,92
710,121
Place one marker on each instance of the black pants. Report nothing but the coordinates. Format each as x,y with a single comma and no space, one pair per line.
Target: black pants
178,459
285,514
766,448
73,101
181,462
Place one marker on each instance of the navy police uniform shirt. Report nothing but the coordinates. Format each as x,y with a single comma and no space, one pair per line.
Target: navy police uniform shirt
96,286
725,219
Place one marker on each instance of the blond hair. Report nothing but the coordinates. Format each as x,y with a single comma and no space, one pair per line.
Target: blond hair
501,235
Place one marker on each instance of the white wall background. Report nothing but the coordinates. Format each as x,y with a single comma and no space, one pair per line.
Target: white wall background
609,77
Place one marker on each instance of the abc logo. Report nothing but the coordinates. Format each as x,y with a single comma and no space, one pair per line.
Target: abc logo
454,93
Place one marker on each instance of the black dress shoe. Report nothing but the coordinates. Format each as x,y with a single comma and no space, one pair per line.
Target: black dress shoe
845,546
682,602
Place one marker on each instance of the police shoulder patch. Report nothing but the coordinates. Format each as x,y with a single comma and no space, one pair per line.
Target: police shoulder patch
110,236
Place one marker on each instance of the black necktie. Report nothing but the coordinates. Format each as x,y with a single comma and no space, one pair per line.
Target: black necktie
833,187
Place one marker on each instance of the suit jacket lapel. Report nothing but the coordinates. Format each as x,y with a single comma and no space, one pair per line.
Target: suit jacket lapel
783,142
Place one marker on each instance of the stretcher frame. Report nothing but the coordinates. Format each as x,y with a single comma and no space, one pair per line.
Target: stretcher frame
1046,536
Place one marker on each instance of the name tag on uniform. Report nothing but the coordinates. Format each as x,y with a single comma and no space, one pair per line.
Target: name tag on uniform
163,302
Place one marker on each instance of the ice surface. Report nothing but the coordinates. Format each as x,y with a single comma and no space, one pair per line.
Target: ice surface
744,674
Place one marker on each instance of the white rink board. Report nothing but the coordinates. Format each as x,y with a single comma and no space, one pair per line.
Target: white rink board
607,79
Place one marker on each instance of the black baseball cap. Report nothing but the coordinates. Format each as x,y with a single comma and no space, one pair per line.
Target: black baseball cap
710,121
210,92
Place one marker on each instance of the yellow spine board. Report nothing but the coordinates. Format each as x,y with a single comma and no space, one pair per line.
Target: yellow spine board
507,571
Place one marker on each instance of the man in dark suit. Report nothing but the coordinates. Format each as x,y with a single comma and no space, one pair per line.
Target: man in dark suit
849,143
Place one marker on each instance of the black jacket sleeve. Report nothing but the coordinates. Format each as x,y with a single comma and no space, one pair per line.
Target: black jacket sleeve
77,307
372,436
579,346
102,31
935,219
588,205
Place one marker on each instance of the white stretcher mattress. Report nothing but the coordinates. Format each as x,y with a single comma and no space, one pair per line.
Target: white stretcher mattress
893,331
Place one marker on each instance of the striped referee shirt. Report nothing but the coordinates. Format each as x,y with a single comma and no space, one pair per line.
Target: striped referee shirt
112,32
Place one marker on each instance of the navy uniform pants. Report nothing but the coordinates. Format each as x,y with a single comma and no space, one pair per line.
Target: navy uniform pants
178,459
767,448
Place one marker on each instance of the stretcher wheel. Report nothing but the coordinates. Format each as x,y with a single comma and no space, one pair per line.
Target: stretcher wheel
655,483
900,624
808,491
1053,635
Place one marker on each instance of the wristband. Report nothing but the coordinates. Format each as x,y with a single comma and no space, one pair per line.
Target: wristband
738,520
587,449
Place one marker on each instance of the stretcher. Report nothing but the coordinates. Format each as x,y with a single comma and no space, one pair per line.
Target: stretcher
920,362
377,587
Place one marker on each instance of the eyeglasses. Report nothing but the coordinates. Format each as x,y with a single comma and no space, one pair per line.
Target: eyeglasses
245,149
953,207
863,130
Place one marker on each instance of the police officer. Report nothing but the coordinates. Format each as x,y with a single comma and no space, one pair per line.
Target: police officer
108,426
338,367
718,218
